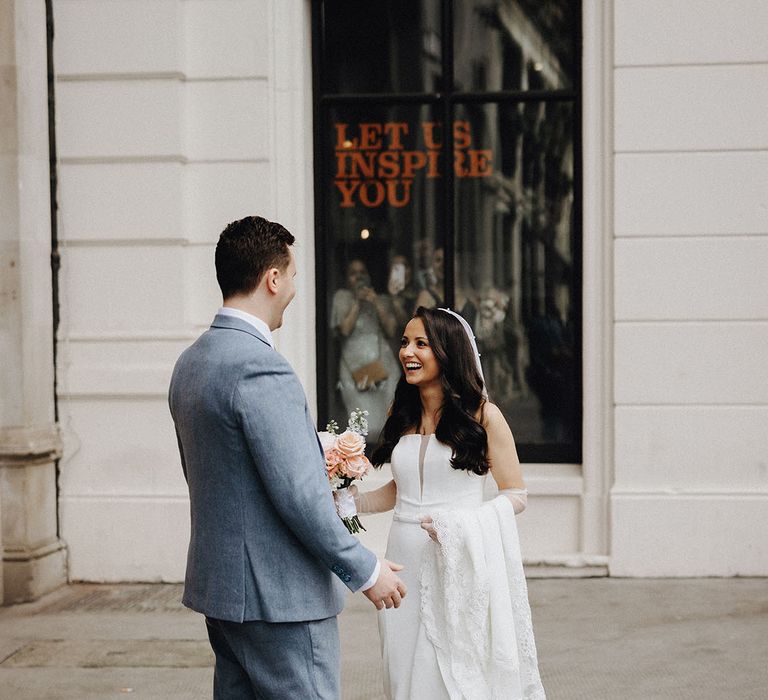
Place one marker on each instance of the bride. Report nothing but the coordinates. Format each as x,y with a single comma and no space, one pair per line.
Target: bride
464,630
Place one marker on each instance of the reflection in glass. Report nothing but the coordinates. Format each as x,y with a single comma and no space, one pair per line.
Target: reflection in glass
515,261
381,201
382,220
515,44
391,46
432,281
364,322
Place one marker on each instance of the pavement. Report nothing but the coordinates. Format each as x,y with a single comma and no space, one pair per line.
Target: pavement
600,638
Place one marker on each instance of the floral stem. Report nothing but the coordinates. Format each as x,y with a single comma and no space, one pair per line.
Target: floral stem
353,524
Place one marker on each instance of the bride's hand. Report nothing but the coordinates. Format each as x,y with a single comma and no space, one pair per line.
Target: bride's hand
355,493
427,524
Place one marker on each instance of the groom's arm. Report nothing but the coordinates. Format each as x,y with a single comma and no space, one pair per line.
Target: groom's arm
271,407
181,455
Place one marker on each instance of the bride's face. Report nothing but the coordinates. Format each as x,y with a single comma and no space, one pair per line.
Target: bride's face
416,356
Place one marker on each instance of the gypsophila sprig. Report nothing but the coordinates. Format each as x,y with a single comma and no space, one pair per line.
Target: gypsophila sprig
358,423
332,427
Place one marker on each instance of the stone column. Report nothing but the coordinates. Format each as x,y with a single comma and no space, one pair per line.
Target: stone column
34,559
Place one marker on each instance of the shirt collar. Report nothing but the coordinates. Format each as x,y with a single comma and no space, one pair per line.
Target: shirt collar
255,321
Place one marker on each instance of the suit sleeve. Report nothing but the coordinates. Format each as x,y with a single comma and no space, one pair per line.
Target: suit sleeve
171,393
181,455
271,407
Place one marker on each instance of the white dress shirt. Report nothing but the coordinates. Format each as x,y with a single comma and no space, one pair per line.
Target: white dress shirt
263,328
255,321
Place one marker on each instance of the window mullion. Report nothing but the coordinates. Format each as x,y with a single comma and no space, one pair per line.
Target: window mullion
449,190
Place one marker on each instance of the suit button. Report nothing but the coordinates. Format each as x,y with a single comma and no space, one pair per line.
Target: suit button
347,578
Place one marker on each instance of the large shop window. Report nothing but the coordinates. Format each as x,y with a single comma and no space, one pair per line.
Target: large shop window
492,231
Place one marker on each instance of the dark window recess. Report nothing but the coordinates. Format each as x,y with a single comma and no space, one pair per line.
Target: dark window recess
492,230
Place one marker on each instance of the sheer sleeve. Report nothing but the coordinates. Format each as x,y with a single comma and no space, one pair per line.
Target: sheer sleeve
517,497
377,501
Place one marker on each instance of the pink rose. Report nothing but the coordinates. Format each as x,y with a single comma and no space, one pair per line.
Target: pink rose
357,467
350,444
333,461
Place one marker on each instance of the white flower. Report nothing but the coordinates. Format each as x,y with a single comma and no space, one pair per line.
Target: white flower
327,440
358,423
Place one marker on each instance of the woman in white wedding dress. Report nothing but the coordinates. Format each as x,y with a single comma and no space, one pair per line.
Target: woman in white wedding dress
463,630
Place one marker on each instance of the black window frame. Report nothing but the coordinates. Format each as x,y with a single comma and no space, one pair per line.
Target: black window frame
446,101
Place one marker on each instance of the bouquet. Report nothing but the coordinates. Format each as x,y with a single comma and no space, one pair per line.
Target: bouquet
345,461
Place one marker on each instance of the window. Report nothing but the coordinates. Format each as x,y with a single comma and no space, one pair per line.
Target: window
492,232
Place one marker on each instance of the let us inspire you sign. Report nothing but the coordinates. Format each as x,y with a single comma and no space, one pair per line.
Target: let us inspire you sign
375,162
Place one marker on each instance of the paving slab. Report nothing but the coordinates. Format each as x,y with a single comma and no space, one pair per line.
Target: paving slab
105,684
641,639
598,639
620,639
112,653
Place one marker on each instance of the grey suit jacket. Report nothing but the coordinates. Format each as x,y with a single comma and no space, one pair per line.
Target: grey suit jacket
265,539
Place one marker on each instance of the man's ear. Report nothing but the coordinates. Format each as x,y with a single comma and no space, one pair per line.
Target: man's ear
271,279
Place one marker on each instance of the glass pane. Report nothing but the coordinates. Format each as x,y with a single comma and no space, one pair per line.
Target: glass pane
515,44
392,46
515,266
382,223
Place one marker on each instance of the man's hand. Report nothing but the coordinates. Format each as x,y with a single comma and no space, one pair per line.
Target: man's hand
388,590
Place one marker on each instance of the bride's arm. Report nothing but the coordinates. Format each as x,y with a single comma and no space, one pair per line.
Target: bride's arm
376,501
502,456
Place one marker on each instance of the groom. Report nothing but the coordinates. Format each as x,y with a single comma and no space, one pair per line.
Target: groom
265,537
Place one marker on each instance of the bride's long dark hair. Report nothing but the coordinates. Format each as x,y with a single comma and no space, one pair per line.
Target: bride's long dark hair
462,384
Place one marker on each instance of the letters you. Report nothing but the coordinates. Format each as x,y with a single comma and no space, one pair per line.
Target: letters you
375,165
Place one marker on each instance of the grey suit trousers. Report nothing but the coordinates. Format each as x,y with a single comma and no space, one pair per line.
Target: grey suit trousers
271,660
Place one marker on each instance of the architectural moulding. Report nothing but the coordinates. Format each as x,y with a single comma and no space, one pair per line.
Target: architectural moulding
33,557
597,134
25,446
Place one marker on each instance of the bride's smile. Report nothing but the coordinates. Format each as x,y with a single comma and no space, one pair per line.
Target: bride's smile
416,355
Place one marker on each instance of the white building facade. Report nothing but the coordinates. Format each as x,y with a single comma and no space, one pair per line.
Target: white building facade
174,117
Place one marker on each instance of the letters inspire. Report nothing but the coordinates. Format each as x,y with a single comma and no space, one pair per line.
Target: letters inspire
375,165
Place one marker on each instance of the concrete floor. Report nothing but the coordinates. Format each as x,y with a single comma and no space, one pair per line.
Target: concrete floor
618,639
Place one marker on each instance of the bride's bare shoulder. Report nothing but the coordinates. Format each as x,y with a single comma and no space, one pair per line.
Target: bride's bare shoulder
490,415
492,419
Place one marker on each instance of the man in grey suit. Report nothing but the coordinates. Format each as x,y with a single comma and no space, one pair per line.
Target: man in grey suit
265,537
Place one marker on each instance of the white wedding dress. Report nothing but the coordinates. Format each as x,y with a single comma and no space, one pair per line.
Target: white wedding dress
412,670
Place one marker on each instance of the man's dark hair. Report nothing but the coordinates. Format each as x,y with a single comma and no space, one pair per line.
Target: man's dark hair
246,250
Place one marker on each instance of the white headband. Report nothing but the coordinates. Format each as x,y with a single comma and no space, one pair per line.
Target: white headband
468,330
